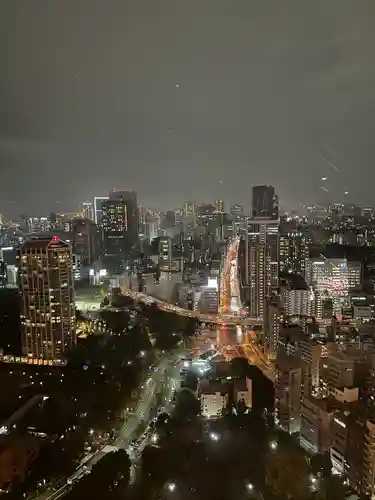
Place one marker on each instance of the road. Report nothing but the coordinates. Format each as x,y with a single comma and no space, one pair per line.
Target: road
164,377
231,304
220,318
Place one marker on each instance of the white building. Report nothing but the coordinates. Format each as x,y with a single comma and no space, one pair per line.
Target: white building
213,398
297,302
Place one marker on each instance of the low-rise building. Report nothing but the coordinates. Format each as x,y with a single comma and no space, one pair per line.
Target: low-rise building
213,398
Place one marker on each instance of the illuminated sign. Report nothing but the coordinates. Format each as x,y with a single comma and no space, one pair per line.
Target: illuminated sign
212,283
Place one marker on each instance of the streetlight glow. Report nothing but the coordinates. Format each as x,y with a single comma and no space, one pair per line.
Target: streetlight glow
273,445
214,436
171,486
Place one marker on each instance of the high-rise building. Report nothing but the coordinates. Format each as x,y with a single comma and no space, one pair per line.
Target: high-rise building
115,238
165,253
294,253
332,279
219,206
85,240
236,211
265,203
288,386
261,263
316,421
97,209
272,327
130,200
87,210
189,210
170,218
369,459
311,353
48,312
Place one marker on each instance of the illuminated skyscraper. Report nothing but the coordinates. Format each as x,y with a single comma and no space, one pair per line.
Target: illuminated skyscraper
130,200
294,253
219,206
265,203
48,312
261,263
189,210
97,208
115,237
332,279
87,210
165,253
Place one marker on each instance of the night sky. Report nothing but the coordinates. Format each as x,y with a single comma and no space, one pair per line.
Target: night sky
170,97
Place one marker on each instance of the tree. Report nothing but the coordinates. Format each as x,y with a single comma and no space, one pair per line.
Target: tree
239,367
116,321
187,405
287,475
105,302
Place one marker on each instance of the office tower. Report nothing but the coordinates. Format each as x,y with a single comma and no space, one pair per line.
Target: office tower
272,327
294,253
3,272
310,356
316,421
152,227
115,238
261,263
236,211
87,210
130,200
48,312
297,301
369,459
288,385
85,240
265,203
219,206
189,210
347,369
170,218
165,253
349,451
37,224
332,279
97,209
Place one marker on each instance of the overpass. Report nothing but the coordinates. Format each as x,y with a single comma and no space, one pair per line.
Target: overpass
217,319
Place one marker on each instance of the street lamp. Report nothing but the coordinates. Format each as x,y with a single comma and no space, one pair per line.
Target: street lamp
250,486
273,445
171,487
214,436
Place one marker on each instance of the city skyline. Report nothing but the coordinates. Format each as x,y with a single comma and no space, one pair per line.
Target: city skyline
124,95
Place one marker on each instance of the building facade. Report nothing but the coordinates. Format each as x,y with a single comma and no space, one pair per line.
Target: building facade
48,311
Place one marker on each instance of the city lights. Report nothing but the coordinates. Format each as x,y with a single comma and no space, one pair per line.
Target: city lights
214,436
171,487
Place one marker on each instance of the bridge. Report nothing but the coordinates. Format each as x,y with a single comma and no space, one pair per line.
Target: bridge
217,319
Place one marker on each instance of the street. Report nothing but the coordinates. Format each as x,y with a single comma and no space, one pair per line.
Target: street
165,377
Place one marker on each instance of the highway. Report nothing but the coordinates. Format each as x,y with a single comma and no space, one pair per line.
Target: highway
219,319
230,303
165,377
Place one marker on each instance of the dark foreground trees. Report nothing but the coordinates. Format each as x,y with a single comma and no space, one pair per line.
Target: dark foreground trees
108,478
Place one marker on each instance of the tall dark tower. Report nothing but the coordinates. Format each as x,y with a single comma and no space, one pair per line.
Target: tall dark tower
265,203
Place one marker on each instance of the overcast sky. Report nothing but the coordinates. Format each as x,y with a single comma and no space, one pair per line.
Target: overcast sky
270,91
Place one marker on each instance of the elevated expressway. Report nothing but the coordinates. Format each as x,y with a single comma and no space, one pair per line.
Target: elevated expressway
218,319
230,304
